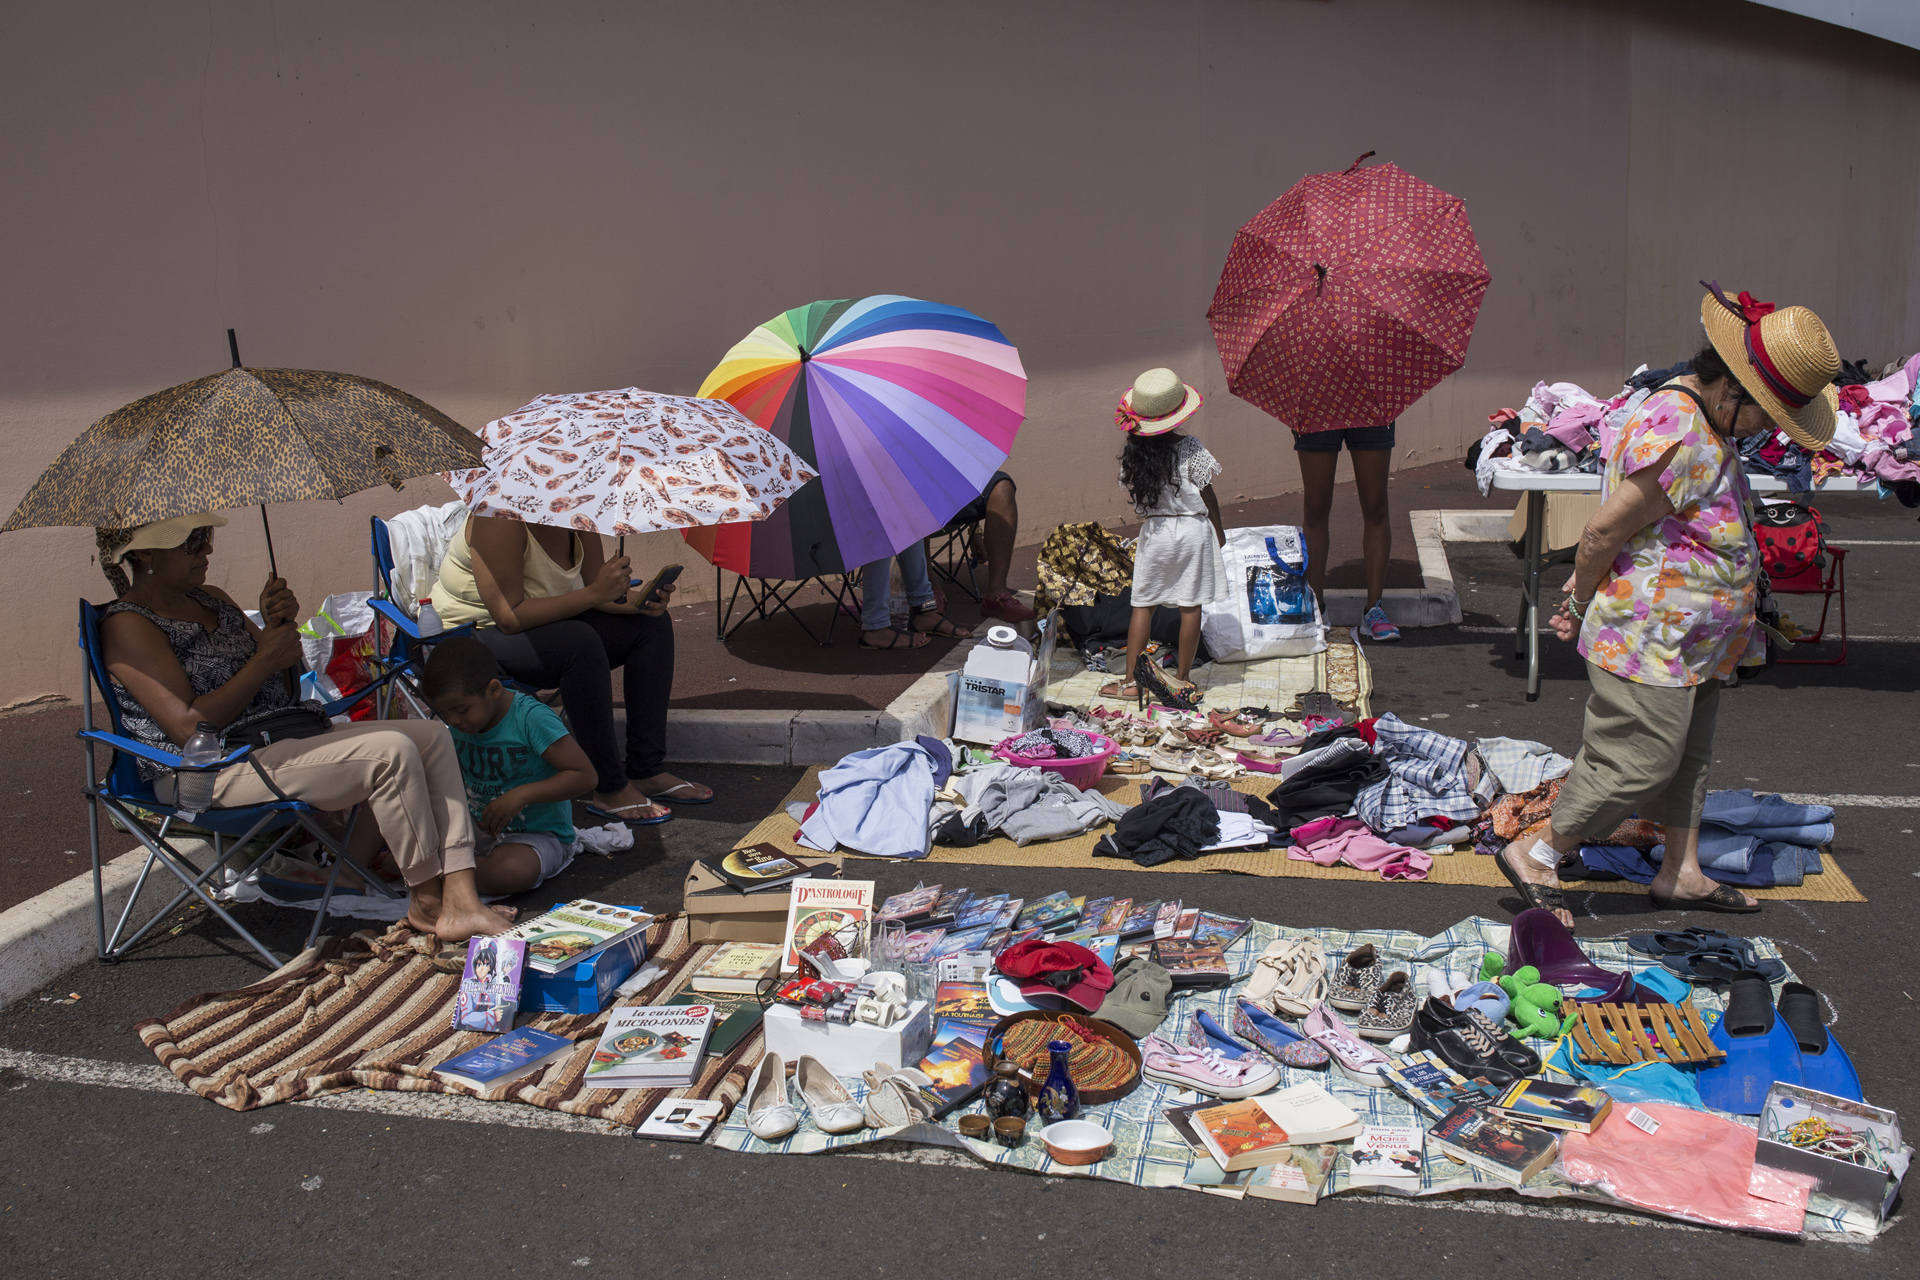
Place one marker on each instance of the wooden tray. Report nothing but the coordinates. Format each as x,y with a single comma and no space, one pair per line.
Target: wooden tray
1623,1035
1092,1025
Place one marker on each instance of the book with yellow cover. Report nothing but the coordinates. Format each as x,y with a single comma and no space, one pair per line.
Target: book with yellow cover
743,967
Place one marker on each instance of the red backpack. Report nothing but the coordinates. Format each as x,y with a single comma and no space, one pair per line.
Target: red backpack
1792,541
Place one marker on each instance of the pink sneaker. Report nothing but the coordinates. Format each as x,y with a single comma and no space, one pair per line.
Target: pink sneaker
1206,1070
1353,1058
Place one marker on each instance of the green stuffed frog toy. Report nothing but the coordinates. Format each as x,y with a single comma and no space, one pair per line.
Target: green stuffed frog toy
1534,1002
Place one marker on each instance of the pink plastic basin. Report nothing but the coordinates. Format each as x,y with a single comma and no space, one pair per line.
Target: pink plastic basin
1082,773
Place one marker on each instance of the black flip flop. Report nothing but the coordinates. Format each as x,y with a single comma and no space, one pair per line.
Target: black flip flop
1686,942
1723,899
1545,897
895,642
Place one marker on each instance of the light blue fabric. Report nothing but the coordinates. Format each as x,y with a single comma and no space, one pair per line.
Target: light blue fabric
1520,765
875,802
1768,818
1771,865
876,591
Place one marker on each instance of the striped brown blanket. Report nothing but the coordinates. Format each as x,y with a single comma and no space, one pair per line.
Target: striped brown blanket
373,1012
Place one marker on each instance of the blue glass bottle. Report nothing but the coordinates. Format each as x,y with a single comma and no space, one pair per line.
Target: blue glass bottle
1059,1098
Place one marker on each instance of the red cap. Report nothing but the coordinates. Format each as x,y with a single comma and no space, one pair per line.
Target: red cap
1062,969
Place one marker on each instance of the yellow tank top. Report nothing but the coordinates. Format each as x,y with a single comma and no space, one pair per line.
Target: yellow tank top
456,596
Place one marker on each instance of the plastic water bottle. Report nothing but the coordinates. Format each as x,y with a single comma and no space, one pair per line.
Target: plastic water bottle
429,618
193,792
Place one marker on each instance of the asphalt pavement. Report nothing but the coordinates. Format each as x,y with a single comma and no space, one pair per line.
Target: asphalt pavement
110,1170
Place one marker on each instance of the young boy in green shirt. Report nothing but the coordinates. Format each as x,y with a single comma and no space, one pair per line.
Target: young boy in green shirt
523,769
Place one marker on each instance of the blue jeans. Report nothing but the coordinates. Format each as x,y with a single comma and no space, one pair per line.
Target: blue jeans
875,615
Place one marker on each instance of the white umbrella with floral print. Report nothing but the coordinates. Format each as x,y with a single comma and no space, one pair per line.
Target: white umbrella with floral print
632,461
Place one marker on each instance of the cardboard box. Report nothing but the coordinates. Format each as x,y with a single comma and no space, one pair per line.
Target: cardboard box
585,987
1869,1190
1566,519
1002,688
731,916
850,1048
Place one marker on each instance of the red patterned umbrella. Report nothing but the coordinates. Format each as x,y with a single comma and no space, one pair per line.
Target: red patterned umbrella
1348,298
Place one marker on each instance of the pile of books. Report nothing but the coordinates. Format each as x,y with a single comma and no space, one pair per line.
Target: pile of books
1279,1146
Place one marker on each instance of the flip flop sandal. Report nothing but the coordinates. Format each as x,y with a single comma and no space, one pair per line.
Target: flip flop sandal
1114,690
1724,966
1546,897
1684,943
668,794
1723,899
616,815
894,643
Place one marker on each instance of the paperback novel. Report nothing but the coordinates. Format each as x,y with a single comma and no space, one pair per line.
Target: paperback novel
1495,1145
1578,1108
1240,1134
1433,1087
738,967
1387,1155
503,1058
1299,1177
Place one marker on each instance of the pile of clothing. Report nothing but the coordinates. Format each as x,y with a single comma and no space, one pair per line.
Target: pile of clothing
1563,427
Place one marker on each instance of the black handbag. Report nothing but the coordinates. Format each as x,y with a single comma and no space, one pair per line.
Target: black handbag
301,720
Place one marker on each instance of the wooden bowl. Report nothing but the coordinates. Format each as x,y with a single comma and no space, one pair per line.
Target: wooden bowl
1093,1025
1077,1142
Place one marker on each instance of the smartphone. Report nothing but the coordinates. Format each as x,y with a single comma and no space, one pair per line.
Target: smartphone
668,574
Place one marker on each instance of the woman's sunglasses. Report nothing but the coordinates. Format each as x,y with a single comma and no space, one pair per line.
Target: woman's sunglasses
198,541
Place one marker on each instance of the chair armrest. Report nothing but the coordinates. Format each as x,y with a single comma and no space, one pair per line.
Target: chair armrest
166,759
392,613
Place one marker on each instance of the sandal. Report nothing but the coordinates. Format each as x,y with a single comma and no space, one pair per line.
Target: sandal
1130,762
1124,690
1290,977
1545,897
1165,760
1684,943
915,640
668,794
942,625
1214,766
619,815
1724,898
1262,761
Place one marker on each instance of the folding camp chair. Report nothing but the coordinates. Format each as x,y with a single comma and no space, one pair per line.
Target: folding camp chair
398,668
952,550
768,596
130,798
1825,583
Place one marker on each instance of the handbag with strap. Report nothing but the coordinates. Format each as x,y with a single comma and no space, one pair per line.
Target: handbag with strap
301,720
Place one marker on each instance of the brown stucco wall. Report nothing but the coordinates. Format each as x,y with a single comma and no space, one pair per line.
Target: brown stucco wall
480,202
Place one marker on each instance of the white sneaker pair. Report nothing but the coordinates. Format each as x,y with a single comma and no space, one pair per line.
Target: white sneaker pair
771,1116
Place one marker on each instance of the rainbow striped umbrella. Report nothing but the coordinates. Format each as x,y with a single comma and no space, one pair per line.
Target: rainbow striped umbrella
904,407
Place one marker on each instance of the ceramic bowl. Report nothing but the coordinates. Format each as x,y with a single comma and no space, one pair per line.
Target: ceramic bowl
1077,1141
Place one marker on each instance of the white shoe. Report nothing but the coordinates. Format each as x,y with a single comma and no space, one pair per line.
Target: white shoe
833,1108
770,1116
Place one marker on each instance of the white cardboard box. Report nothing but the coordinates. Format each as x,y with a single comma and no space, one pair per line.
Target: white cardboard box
1001,689
849,1049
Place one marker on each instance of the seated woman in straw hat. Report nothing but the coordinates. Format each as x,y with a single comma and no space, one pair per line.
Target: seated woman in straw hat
1663,592
183,653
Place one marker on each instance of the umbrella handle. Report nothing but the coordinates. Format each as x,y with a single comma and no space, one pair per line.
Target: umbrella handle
1350,169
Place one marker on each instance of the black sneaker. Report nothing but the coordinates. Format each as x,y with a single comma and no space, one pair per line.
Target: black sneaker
1471,1045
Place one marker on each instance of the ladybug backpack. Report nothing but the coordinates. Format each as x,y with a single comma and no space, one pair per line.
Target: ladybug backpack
1793,544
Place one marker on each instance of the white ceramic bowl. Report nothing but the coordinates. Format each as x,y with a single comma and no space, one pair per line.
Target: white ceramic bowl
1077,1141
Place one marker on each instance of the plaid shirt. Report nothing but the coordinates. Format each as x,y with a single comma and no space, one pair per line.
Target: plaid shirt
1520,765
1426,778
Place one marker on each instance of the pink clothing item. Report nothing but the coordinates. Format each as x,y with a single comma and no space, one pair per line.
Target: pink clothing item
1696,1167
1573,426
1327,841
1894,389
1854,399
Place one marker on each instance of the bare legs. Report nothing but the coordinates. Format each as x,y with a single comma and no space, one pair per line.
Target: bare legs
1679,875
1002,522
1139,628
1371,468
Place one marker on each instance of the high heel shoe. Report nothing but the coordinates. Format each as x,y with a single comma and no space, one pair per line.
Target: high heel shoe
1146,676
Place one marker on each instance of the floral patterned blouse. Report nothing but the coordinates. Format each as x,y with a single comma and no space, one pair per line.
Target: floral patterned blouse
1678,609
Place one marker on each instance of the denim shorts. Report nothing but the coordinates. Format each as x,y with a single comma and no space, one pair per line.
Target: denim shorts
1359,439
554,854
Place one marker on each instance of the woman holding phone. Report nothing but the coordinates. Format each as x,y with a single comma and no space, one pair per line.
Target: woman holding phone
557,613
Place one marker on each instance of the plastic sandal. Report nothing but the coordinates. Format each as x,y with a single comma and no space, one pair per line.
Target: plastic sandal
1685,942
668,794
1539,939
616,815
1724,898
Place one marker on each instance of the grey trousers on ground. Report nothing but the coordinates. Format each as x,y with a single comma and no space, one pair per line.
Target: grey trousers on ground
1645,749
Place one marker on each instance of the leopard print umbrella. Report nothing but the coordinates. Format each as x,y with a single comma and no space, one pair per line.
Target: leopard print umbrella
243,437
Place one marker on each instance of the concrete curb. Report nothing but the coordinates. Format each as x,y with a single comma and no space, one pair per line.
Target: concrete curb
1434,604
51,932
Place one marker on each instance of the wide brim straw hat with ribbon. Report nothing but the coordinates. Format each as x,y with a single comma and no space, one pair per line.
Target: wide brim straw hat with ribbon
1156,403
1783,356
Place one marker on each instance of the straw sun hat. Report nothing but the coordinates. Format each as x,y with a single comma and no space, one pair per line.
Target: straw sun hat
1157,402
1784,358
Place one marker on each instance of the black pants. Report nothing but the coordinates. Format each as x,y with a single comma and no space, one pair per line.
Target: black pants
577,656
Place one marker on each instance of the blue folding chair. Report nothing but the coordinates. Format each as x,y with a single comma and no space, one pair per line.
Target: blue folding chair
399,667
130,798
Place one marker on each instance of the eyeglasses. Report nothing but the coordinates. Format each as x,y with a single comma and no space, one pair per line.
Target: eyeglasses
199,540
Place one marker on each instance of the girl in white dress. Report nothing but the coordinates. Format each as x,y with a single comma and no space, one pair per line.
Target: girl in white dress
1169,477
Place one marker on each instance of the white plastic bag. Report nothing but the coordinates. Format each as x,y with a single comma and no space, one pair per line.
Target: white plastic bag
1270,612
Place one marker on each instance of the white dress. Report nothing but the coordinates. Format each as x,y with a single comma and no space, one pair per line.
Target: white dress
1177,562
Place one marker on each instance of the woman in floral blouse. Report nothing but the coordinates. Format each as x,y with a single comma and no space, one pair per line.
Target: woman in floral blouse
1663,592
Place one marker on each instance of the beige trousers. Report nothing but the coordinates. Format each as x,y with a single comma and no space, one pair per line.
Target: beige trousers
1645,747
405,771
